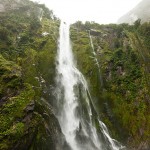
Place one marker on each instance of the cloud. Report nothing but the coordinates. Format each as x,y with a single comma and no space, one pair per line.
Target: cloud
101,11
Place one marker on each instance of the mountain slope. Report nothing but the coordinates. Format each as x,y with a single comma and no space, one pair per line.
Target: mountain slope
122,54
141,11
27,58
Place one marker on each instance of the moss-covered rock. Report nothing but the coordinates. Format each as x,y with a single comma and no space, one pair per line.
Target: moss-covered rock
10,79
27,63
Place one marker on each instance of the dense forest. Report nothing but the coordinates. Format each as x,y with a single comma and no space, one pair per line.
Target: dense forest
116,66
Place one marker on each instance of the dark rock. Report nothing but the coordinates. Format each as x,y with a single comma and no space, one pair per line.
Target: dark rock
95,32
3,100
27,118
30,107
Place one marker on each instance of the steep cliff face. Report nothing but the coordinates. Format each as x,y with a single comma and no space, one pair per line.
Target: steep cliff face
141,11
117,71
122,97
27,61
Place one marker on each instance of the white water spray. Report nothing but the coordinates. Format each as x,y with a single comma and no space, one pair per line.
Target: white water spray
74,103
67,79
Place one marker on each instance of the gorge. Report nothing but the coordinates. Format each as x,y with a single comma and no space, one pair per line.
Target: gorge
82,86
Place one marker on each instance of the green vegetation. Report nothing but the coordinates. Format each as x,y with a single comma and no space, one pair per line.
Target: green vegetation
28,44
123,53
28,47
11,115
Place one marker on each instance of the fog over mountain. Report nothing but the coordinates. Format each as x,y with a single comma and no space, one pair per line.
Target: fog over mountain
100,11
141,11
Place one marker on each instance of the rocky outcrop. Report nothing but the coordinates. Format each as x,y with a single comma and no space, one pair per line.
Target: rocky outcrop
95,32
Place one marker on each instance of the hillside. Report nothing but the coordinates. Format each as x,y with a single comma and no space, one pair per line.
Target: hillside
27,54
121,86
141,11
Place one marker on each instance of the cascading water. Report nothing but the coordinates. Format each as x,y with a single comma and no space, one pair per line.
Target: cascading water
76,113
96,59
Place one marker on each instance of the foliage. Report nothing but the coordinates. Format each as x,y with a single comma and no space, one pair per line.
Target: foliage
26,73
123,54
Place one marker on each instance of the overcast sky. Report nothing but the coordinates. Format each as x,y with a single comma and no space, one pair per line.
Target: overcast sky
101,11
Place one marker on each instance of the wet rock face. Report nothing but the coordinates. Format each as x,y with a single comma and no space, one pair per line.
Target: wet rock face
42,130
26,122
49,130
95,32
30,107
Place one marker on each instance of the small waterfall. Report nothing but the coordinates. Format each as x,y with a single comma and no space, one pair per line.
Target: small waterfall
96,59
75,111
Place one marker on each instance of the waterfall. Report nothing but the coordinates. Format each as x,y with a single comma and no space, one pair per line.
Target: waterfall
75,111
96,59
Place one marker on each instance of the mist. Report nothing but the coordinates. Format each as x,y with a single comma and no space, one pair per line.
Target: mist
101,11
